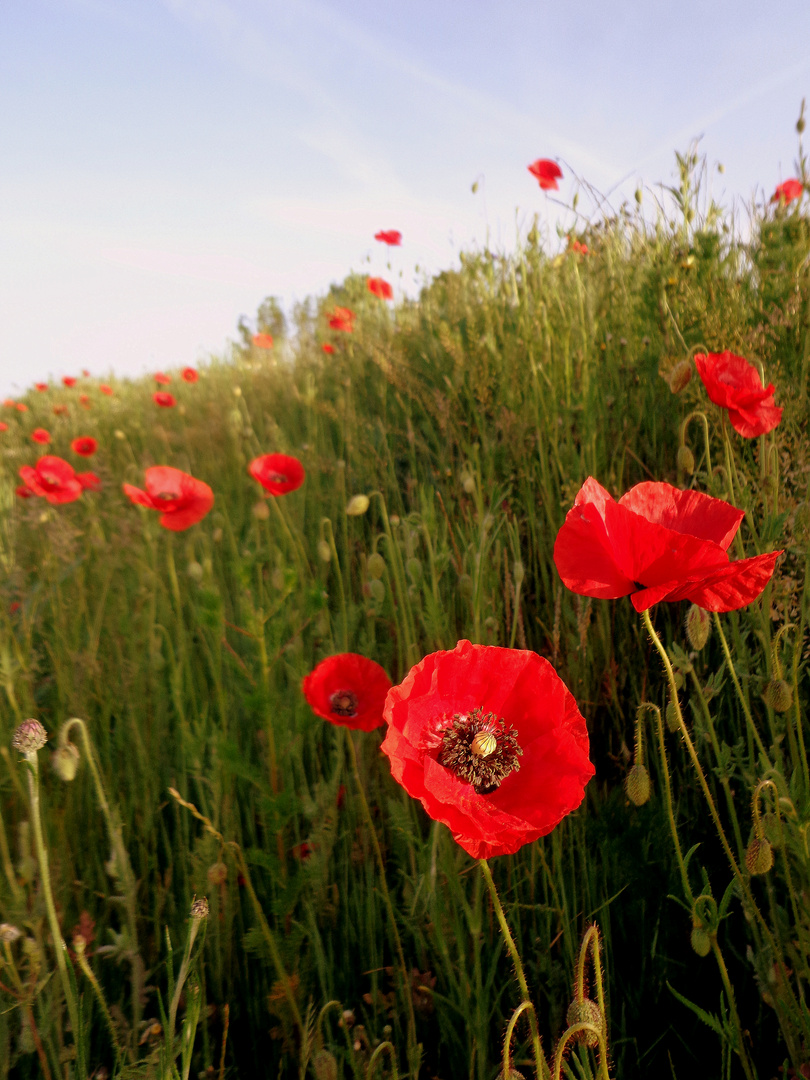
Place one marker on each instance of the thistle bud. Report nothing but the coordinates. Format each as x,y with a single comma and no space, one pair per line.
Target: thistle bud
29,737
759,856
700,941
680,375
686,459
584,1012
637,785
698,626
199,909
778,694
357,505
324,551
375,564
65,761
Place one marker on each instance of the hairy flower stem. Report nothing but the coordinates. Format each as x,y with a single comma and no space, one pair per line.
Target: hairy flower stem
742,1053
748,717
181,979
105,1012
414,1048
673,828
541,1066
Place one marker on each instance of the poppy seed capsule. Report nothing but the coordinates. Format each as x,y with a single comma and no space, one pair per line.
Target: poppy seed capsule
698,625
484,744
779,695
700,941
679,376
585,1012
65,762
29,737
759,856
637,785
686,459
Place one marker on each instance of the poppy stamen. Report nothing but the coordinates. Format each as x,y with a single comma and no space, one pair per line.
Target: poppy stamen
276,477
343,703
479,748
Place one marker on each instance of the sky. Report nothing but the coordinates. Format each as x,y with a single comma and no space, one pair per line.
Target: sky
166,164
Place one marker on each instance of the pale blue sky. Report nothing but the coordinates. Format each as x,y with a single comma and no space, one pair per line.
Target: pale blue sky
165,164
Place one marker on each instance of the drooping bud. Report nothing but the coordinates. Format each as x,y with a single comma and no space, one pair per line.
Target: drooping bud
680,375
686,459
65,761
377,590
414,570
584,1012
778,694
324,551
375,564
357,505
29,737
698,627
217,874
759,856
261,511
195,570
637,785
700,941
465,586
9,933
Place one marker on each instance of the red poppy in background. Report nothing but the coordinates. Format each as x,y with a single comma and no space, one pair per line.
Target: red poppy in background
788,191
491,742
23,491
40,435
277,473
342,318
3,427
166,401
734,384
86,373
41,386
327,348
263,341
68,380
105,389
60,410
89,481
188,374
181,499
161,379
21,406
657,543
349,690
9,403
85,446
380,288
53,479
392,237
547,173
84,400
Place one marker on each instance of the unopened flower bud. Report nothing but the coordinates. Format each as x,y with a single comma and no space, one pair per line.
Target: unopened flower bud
324,1065
261,511
759,856
324,551
375,564
518,571
680,375
199,909
9,933
413,568
672,717
195,570
585,1012
778,694
800,124
465,586
468,483
637,785
686,459
377,590
639,195
700,940
358,504
698,625
29,737
65,761
217,874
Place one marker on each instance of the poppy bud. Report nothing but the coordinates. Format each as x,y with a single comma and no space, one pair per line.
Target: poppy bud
698,626
358,504
216,535
800,125
119,434
324,551
686,459
375,564
584,1012
672,717
465,586
700,940
759,856
261,511
29,737
518,571
324,1065
639,195
414,569
680,375
194,570
772,828
217,874
377,590
468,483
65,762
778,694
637,785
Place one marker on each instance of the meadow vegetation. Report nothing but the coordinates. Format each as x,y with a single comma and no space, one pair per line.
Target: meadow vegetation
469,417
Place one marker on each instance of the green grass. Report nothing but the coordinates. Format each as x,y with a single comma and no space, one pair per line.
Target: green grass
475,412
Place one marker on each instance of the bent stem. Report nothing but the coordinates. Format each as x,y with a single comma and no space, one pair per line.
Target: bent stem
540,1063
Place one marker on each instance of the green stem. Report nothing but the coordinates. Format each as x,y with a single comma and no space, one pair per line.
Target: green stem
748,717
668,796
742,1053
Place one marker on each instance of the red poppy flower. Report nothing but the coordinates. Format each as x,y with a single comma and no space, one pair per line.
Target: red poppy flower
105,389
84,400
657,543
14,607
392,237
3,427
491,742
85,445
86,373
166,401
9,403
327,348
349,690
60,410
263,341
41,385
21,406
277,473
380,288
161,379
40,435
89,481
547,173
181,499
68,380
788,191
53,478
734,384
342,318
189,374
23,491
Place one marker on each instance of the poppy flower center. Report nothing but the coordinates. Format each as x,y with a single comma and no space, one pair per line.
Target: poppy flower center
479,748
343,703
49,481
277,478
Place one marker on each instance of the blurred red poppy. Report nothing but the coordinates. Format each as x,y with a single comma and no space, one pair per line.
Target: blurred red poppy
41,386
14,607
23,491
349,690
181,499
657,543
84,400
53,479
189,374
105,389
734,384
491,742
392,237
547,173
788,191
302,851
40,435
579,248
86,373
9,403
60,410
277,473
85,445
263,341
161,379
327,348
342,318
21,406
166,401
68,380
380,288
89,481
3,427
